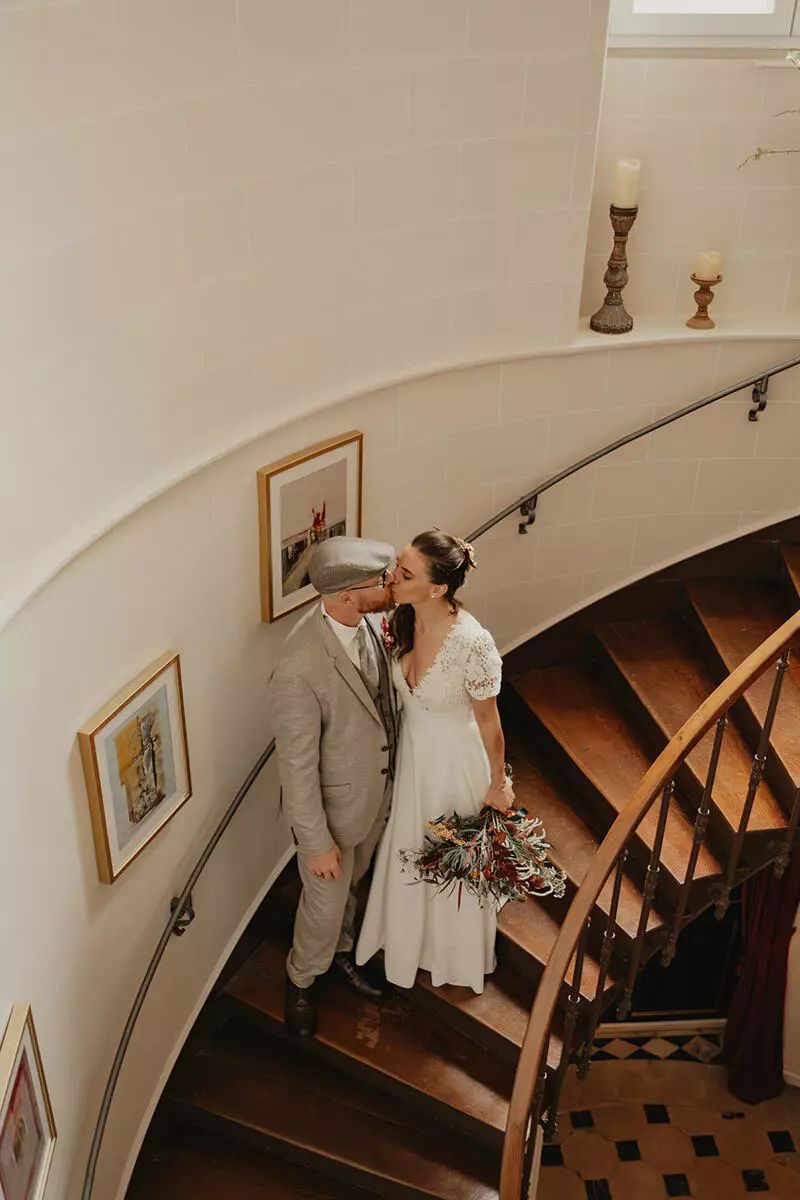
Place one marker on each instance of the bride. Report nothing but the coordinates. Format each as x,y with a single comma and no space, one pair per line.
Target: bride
451,758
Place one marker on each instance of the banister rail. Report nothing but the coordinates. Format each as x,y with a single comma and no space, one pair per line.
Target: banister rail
522,1117
181,910
526,504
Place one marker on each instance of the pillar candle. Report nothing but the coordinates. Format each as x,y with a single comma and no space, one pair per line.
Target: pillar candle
626,184
708,265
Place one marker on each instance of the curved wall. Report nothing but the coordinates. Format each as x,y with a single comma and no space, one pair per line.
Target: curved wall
182,572
216,215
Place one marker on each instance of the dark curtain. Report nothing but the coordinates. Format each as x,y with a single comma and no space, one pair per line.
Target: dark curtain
754,1032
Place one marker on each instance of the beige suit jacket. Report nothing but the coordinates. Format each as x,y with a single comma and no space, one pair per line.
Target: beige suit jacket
335,755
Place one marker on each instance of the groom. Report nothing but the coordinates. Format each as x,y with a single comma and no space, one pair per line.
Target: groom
335,719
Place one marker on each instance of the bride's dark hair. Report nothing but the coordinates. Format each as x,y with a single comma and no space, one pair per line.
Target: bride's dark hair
449,559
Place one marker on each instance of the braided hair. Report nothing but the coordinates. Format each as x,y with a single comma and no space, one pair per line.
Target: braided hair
449,559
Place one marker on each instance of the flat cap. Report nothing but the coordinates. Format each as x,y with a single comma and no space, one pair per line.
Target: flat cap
340,563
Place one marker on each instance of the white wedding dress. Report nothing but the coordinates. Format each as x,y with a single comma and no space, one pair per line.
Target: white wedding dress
441,768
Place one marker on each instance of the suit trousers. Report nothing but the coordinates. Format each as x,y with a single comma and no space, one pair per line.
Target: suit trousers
325,921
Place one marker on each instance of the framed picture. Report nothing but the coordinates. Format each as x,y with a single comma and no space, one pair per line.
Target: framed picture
27,1128
136,763
302,500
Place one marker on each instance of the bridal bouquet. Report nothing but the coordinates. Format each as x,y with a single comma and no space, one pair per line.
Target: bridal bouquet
496,856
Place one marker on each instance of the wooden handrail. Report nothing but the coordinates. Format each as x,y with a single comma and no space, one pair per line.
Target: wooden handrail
615,842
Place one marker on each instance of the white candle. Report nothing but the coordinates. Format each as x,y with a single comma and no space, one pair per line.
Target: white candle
708,265
626,184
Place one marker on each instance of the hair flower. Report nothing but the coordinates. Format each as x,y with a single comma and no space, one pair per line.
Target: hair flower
469,553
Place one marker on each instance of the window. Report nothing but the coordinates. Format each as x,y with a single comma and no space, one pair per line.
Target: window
757,22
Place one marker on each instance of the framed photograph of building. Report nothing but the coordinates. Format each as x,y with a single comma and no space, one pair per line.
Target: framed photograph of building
27,1128
136,762
303,499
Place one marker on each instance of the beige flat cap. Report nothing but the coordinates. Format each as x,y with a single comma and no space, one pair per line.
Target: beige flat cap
340,563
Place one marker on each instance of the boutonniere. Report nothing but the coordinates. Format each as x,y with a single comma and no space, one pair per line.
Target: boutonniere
388,639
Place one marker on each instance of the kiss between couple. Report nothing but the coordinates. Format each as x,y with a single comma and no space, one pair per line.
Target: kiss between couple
380,726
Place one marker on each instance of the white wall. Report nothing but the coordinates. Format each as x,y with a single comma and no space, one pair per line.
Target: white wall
282,204
692,121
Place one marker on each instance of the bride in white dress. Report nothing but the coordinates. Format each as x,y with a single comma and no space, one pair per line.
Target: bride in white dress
451,758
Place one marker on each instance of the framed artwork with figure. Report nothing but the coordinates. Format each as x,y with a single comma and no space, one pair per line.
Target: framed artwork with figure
136,763
27,1127
303,499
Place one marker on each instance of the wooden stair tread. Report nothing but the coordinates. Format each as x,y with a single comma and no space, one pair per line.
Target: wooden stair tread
738,616
668,675
534,930
574,845
502,1008
581,715
402,1044
330,1128
195,1165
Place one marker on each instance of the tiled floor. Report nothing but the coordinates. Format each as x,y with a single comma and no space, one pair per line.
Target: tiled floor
644,1129
692,1047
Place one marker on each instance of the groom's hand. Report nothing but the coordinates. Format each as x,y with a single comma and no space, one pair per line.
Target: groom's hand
326,866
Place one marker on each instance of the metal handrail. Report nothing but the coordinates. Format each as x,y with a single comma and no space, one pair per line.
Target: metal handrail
181,906
527,503
613,846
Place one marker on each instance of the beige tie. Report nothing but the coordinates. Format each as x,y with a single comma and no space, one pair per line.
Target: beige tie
366,658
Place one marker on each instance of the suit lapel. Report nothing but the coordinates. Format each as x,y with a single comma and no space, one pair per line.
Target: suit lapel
345,667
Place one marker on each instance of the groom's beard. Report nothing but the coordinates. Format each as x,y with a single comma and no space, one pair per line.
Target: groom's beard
383,602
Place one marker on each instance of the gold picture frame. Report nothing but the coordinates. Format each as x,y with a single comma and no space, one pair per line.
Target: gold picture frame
302,499
27,1126
136,763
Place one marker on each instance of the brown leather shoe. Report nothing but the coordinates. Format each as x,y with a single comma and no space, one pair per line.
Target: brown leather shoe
300,1010
364,983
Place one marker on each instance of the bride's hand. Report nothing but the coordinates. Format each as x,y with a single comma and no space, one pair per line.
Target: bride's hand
501,798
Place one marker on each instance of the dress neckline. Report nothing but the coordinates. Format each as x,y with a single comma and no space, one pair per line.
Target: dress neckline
413,691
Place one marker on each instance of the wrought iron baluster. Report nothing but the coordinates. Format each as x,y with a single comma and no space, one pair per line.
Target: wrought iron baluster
573,1005
606,951
700,830
650,884
782,861
756,775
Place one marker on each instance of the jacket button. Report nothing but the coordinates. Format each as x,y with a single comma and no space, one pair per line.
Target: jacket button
384,771
384,749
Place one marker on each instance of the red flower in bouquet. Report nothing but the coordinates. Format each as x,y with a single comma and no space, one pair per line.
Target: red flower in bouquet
496,856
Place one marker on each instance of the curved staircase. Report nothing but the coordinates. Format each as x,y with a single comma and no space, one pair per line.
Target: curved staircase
410,1099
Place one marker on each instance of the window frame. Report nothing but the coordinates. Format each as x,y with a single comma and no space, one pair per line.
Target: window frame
772,30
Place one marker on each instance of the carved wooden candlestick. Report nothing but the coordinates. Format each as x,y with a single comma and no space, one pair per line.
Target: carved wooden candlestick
613,316
703,297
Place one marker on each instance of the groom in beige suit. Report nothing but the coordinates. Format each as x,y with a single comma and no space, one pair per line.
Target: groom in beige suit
335,719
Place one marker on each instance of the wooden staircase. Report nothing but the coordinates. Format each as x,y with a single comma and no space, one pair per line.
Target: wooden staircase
410,1099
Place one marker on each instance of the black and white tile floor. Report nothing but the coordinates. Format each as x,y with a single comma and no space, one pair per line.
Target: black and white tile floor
644,1129
692,1047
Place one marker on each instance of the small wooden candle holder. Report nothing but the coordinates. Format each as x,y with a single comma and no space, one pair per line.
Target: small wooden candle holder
703,297
613,317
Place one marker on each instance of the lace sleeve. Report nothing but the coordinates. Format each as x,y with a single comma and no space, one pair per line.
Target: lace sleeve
484,668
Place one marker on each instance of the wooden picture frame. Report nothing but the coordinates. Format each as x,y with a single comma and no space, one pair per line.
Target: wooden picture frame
27,1126
136,763
302,499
